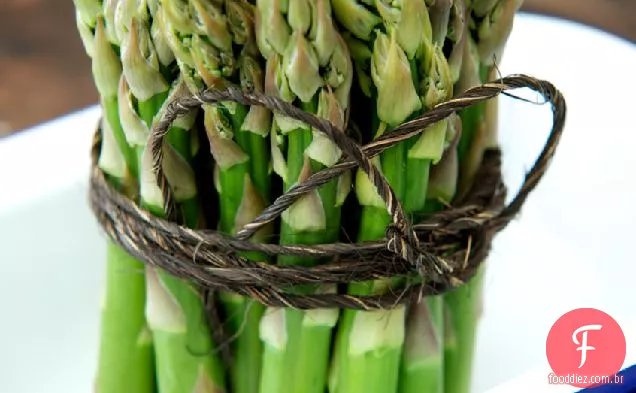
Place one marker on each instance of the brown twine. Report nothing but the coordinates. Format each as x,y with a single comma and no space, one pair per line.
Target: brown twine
462,234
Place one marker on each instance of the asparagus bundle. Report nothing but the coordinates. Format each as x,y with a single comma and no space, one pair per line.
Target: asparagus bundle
125,352
308,64
214,44
407,57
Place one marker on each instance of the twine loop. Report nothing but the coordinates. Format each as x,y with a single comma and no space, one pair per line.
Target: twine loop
432,256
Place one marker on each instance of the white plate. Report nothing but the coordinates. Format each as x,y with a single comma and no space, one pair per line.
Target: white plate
572,246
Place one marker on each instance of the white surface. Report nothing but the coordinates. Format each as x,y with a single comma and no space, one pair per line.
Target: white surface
570,248
51,260
48,158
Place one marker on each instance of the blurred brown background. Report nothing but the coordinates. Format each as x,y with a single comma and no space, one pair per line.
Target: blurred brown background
44,72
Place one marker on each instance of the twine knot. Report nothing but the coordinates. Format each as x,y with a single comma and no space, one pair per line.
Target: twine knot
405,244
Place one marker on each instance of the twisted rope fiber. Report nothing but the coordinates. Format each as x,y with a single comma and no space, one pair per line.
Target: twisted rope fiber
462,234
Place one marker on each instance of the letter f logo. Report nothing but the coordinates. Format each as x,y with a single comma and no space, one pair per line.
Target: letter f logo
583,344
573,330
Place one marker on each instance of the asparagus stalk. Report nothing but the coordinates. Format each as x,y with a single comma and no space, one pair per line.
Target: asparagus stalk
125,352
183,344
308,65
423,359
491,22
183,347
214,45
409,74
369,344
423,362
461,316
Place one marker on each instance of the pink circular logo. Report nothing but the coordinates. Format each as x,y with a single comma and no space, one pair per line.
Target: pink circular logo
585,347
